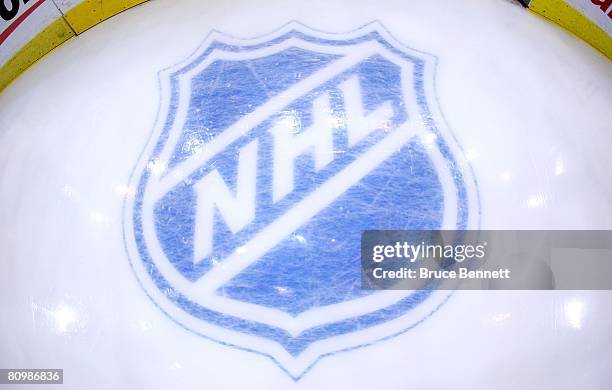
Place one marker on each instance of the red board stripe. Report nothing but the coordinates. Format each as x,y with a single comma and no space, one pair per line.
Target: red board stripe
5,34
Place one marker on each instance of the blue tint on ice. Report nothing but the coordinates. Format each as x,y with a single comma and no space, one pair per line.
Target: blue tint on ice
318,264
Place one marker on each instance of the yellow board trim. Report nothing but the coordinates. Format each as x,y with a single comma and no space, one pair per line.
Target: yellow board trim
48,39
575,22
76,20
91,12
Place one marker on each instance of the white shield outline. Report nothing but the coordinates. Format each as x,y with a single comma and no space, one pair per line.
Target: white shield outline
294,365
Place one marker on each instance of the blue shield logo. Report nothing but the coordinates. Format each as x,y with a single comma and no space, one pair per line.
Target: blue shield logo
269,158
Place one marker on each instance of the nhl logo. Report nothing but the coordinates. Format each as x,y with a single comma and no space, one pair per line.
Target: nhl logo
270,157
